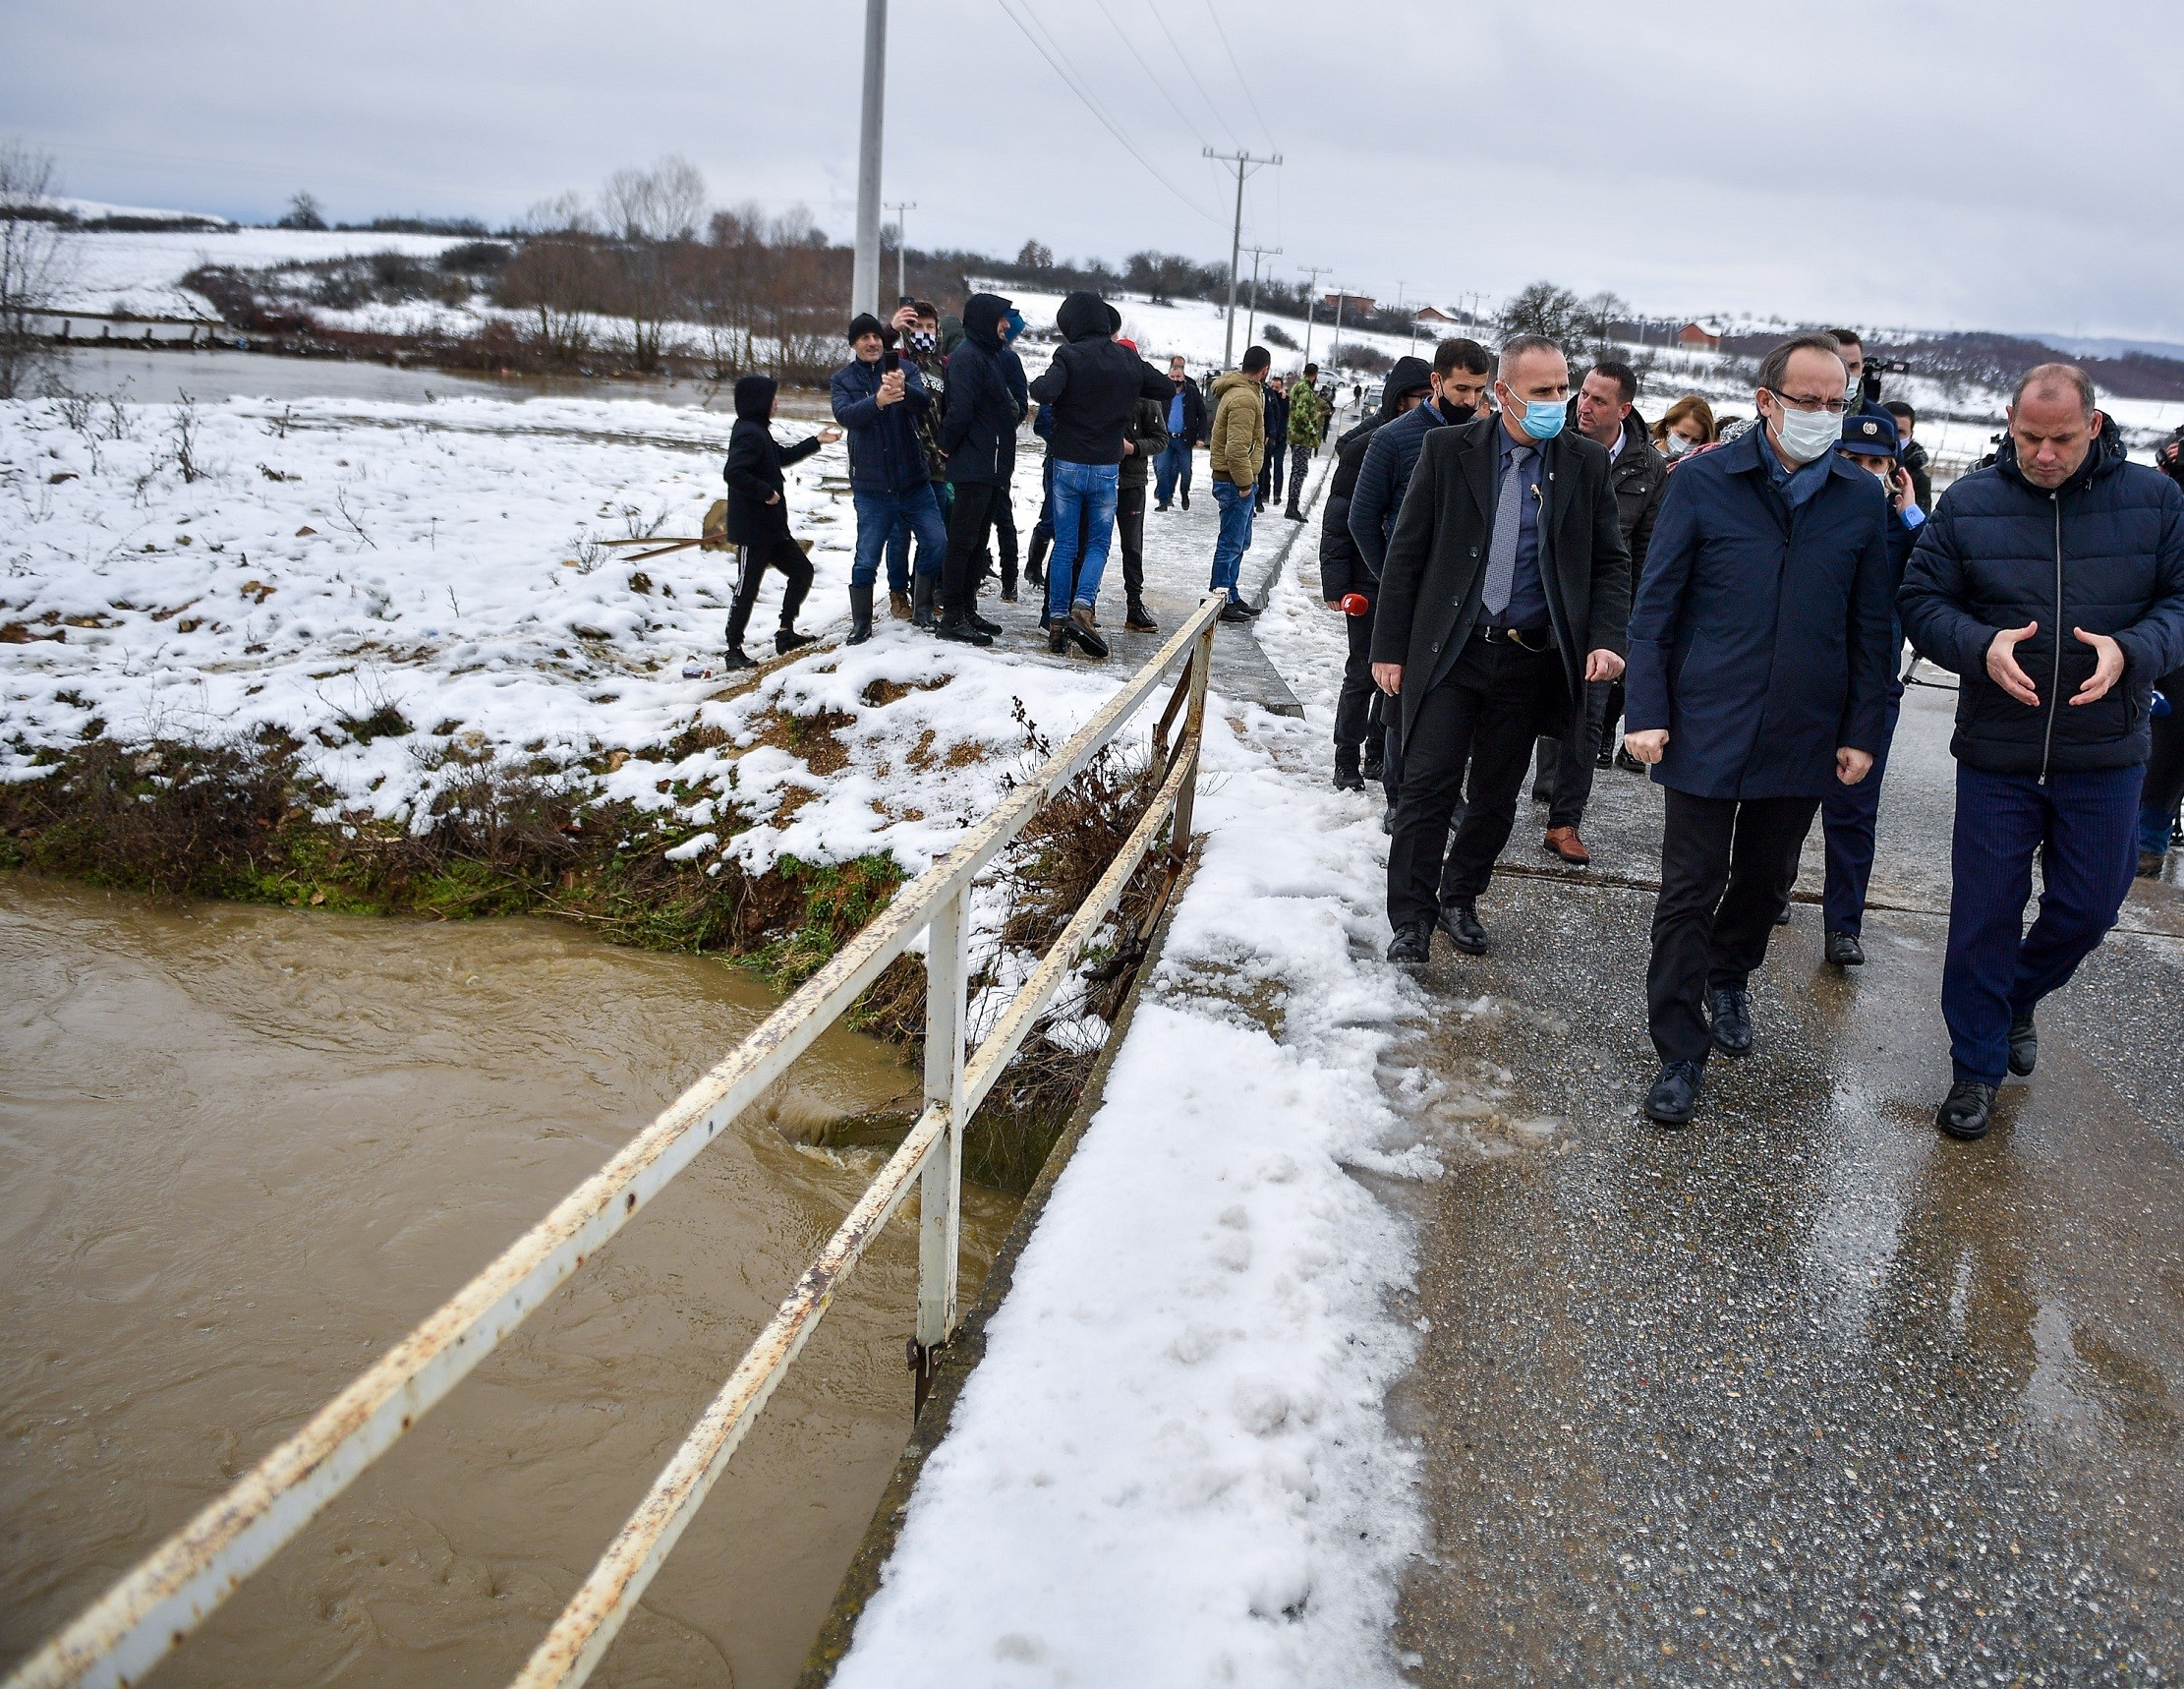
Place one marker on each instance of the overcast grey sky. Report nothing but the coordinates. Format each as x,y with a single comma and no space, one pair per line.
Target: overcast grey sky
1990,163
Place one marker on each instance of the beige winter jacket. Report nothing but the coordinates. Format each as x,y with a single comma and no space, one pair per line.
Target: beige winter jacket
1238,441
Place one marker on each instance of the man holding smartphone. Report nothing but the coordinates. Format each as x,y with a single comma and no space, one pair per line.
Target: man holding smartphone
877,398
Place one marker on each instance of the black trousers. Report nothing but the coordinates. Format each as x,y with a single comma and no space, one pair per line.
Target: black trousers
969,519
1727,867
752,562
2164,769
1564,767
1129,536
1481,717
1004,539
1359,724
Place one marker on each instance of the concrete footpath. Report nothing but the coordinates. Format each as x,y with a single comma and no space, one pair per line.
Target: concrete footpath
1804,1393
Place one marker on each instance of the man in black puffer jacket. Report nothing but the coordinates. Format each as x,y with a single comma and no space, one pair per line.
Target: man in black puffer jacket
2054,584
1343,571
978,431
758,517
1093,387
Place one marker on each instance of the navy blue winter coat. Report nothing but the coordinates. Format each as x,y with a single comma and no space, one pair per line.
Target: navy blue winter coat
1384,477
1761,638
978,430
884,453
2104,551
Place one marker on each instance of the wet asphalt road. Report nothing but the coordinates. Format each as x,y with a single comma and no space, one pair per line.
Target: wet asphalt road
1804,1393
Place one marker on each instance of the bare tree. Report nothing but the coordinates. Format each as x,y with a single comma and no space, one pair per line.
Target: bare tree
1598,319
1540,308
556,278
653,217
34,261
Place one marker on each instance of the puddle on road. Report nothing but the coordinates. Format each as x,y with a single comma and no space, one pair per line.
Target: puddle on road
243,1149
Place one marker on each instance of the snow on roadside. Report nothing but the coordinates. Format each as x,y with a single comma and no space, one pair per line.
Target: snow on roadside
1173,1465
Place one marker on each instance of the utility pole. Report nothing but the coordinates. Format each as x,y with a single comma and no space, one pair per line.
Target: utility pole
1313,272
1251,322
1244,163
902,242
1341,293
864,273
1400,286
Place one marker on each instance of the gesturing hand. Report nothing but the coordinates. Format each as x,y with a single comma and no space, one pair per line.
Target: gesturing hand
2001,664
2106,671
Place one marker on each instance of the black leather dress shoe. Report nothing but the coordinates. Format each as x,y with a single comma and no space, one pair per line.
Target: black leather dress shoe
1674,1093
1412,944
1460,922
1965,1111
1844,949
1731,1009
2023,1046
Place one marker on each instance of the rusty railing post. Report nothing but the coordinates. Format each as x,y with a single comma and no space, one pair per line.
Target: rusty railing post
940,1188
1195,731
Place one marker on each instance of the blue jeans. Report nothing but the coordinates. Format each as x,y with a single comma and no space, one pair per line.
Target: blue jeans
2154,827
1083,493
1850,814
1237,506
1170,467
878,513
898,544
2084,825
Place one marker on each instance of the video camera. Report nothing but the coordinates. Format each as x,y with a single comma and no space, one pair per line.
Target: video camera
1870,382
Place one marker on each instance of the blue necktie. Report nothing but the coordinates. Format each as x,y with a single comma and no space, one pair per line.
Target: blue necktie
1508,517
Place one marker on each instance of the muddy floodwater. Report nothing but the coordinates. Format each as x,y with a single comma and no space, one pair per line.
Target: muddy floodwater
244,1149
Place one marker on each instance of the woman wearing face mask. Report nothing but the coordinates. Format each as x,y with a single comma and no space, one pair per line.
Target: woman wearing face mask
1760,671
1686,425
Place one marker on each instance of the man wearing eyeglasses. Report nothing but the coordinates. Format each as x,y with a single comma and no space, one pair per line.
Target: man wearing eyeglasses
1760,670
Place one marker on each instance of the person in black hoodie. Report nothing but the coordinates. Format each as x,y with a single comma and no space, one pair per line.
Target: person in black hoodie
1092,387
758,518
1359,730
978,431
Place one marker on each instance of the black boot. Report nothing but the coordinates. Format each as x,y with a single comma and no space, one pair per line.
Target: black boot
953,626
860,614
921,601
1035,564
737,658
787,640
1138,620
1347,776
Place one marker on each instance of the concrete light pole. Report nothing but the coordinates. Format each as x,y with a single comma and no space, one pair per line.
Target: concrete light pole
1312,274
1244,162
901,240
864,274
1251,321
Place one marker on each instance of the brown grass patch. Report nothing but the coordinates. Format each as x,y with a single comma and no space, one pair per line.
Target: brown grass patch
812,738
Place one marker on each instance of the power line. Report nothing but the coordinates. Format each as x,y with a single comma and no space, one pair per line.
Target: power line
1149,75
1182,58
1249,97
1092,105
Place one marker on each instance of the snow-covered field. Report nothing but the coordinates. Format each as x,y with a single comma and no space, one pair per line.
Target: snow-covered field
331,559
140,275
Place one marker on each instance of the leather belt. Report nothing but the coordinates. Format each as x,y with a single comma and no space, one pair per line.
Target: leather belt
1538,640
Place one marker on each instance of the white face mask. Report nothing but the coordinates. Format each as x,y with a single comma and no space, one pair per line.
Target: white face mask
1678,444
1805,434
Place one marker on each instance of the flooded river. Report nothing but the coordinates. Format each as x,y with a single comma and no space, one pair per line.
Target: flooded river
242,1149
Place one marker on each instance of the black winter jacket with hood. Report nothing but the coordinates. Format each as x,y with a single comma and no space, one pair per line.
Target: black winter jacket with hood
978,430
755,464
1094,384
2104,551
1342,566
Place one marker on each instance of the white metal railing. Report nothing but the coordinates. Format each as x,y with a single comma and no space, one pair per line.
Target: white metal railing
154,1609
